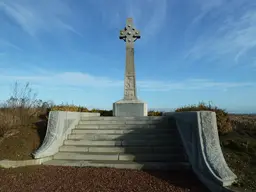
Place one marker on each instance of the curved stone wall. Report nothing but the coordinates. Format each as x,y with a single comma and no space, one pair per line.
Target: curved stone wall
60,124
200,137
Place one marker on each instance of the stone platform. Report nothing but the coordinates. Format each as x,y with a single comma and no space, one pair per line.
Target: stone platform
130,108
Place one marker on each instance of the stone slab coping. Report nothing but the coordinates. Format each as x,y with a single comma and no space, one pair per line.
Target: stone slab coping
21,163
129,101
99,118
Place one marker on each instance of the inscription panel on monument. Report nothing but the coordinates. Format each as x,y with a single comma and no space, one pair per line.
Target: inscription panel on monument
129,92
129,82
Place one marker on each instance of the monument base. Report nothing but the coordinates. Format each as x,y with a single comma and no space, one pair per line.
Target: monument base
130,108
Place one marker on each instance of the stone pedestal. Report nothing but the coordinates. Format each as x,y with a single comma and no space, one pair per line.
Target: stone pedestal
130,108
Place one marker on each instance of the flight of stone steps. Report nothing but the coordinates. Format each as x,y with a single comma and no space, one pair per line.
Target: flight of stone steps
123,142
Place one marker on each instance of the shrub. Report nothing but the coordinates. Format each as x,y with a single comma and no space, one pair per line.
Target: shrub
103,112
223,121
20,109
155,113
68,107
74,108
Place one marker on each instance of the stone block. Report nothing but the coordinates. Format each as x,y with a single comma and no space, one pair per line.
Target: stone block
130,108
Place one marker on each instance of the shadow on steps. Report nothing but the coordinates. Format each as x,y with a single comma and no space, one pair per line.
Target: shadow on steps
184,178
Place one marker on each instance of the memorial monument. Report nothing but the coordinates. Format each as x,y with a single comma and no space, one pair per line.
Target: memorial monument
130,105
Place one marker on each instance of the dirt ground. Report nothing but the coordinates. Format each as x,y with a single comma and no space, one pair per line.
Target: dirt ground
23,142
66,179
239,147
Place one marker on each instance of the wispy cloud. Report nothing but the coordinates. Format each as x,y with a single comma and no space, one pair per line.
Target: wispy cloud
231,30
190,84
81,80
42,16
53,16
7,44
149,16
205,7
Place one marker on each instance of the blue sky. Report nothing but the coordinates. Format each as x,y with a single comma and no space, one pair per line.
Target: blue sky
189,51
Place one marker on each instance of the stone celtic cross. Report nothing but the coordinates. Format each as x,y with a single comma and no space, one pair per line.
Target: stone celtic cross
129,34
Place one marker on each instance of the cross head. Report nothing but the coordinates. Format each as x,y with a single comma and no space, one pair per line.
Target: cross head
129,34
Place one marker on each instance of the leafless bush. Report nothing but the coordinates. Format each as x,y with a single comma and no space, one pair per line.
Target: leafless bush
20,109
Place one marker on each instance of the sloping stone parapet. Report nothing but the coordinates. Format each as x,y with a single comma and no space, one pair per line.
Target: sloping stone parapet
59,126
199,133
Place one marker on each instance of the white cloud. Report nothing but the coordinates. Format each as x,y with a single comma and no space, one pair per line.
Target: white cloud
205,7
149,16
232,35
81,80
4,44
154,17
35,17
189,84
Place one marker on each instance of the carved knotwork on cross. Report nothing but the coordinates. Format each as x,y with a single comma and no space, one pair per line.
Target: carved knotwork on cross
129,34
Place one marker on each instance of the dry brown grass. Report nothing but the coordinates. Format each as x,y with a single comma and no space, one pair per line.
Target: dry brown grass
20,110
223,120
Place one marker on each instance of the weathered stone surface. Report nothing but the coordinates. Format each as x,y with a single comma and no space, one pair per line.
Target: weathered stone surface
130,105
130,108
123,164
21,163
200,138
60,124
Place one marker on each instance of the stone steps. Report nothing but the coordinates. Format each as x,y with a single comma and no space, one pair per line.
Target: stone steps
125,143
132,150
159,157
102,118
122,131
123,164
146,136
122,126
121,122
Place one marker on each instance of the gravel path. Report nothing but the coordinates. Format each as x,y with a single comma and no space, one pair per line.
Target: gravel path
72,179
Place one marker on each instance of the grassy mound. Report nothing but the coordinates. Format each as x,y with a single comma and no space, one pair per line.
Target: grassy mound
223,121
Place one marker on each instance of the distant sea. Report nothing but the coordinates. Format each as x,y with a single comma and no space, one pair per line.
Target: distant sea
173,109
230,112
